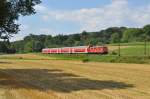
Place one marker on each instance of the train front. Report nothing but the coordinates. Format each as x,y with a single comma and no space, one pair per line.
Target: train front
98,50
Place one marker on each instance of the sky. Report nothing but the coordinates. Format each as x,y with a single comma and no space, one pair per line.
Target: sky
55,17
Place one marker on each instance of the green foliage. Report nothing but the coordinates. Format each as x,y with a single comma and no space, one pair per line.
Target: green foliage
113,53
147,29
135,51
132,34
102,58
112,35
115,38
85,60
29,46
33,46
69,42
48,41
10,10
91,41
38,46
3,47
18,46
84,35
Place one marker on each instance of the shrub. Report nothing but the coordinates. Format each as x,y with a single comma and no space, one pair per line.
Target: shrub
20,57
85,60
113,53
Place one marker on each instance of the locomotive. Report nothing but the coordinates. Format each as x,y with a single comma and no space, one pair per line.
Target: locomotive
77,50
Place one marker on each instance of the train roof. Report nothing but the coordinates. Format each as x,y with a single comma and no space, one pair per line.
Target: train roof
69,47
74,47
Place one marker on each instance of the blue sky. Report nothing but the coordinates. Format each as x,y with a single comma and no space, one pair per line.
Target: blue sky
73,16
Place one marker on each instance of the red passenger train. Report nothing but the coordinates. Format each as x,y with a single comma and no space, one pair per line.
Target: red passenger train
77,50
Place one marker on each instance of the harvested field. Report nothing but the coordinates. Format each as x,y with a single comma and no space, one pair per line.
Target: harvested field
59,79
112,48
25,56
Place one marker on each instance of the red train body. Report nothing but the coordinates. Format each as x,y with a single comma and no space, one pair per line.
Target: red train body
79,49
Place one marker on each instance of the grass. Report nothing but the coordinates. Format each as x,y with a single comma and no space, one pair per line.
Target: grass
67,79
103,58
130,44
135,51
129,54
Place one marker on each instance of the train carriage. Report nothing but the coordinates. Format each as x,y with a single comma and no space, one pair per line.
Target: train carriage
78,49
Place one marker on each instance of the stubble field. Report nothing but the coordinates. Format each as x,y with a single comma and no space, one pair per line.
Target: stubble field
44,78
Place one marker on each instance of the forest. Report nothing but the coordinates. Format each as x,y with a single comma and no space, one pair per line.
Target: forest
112,35
11,10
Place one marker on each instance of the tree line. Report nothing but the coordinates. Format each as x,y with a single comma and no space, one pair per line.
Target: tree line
35,43
10,11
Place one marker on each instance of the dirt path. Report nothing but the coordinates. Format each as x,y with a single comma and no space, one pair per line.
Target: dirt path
51,79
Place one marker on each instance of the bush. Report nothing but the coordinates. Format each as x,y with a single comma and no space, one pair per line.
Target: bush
113,53
20,57
85,60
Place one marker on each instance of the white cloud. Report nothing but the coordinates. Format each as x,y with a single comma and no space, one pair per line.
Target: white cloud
24,32
47,31
24,27
45,17
118,13
41,8
140,16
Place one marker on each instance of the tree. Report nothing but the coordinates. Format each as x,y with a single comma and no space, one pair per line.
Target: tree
37,46
3,47
115,38
91,41
69,42
147,30
146,36
33,46
76,37
29,46
48,41
84,35
110,35
18,46
10,10
132,34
